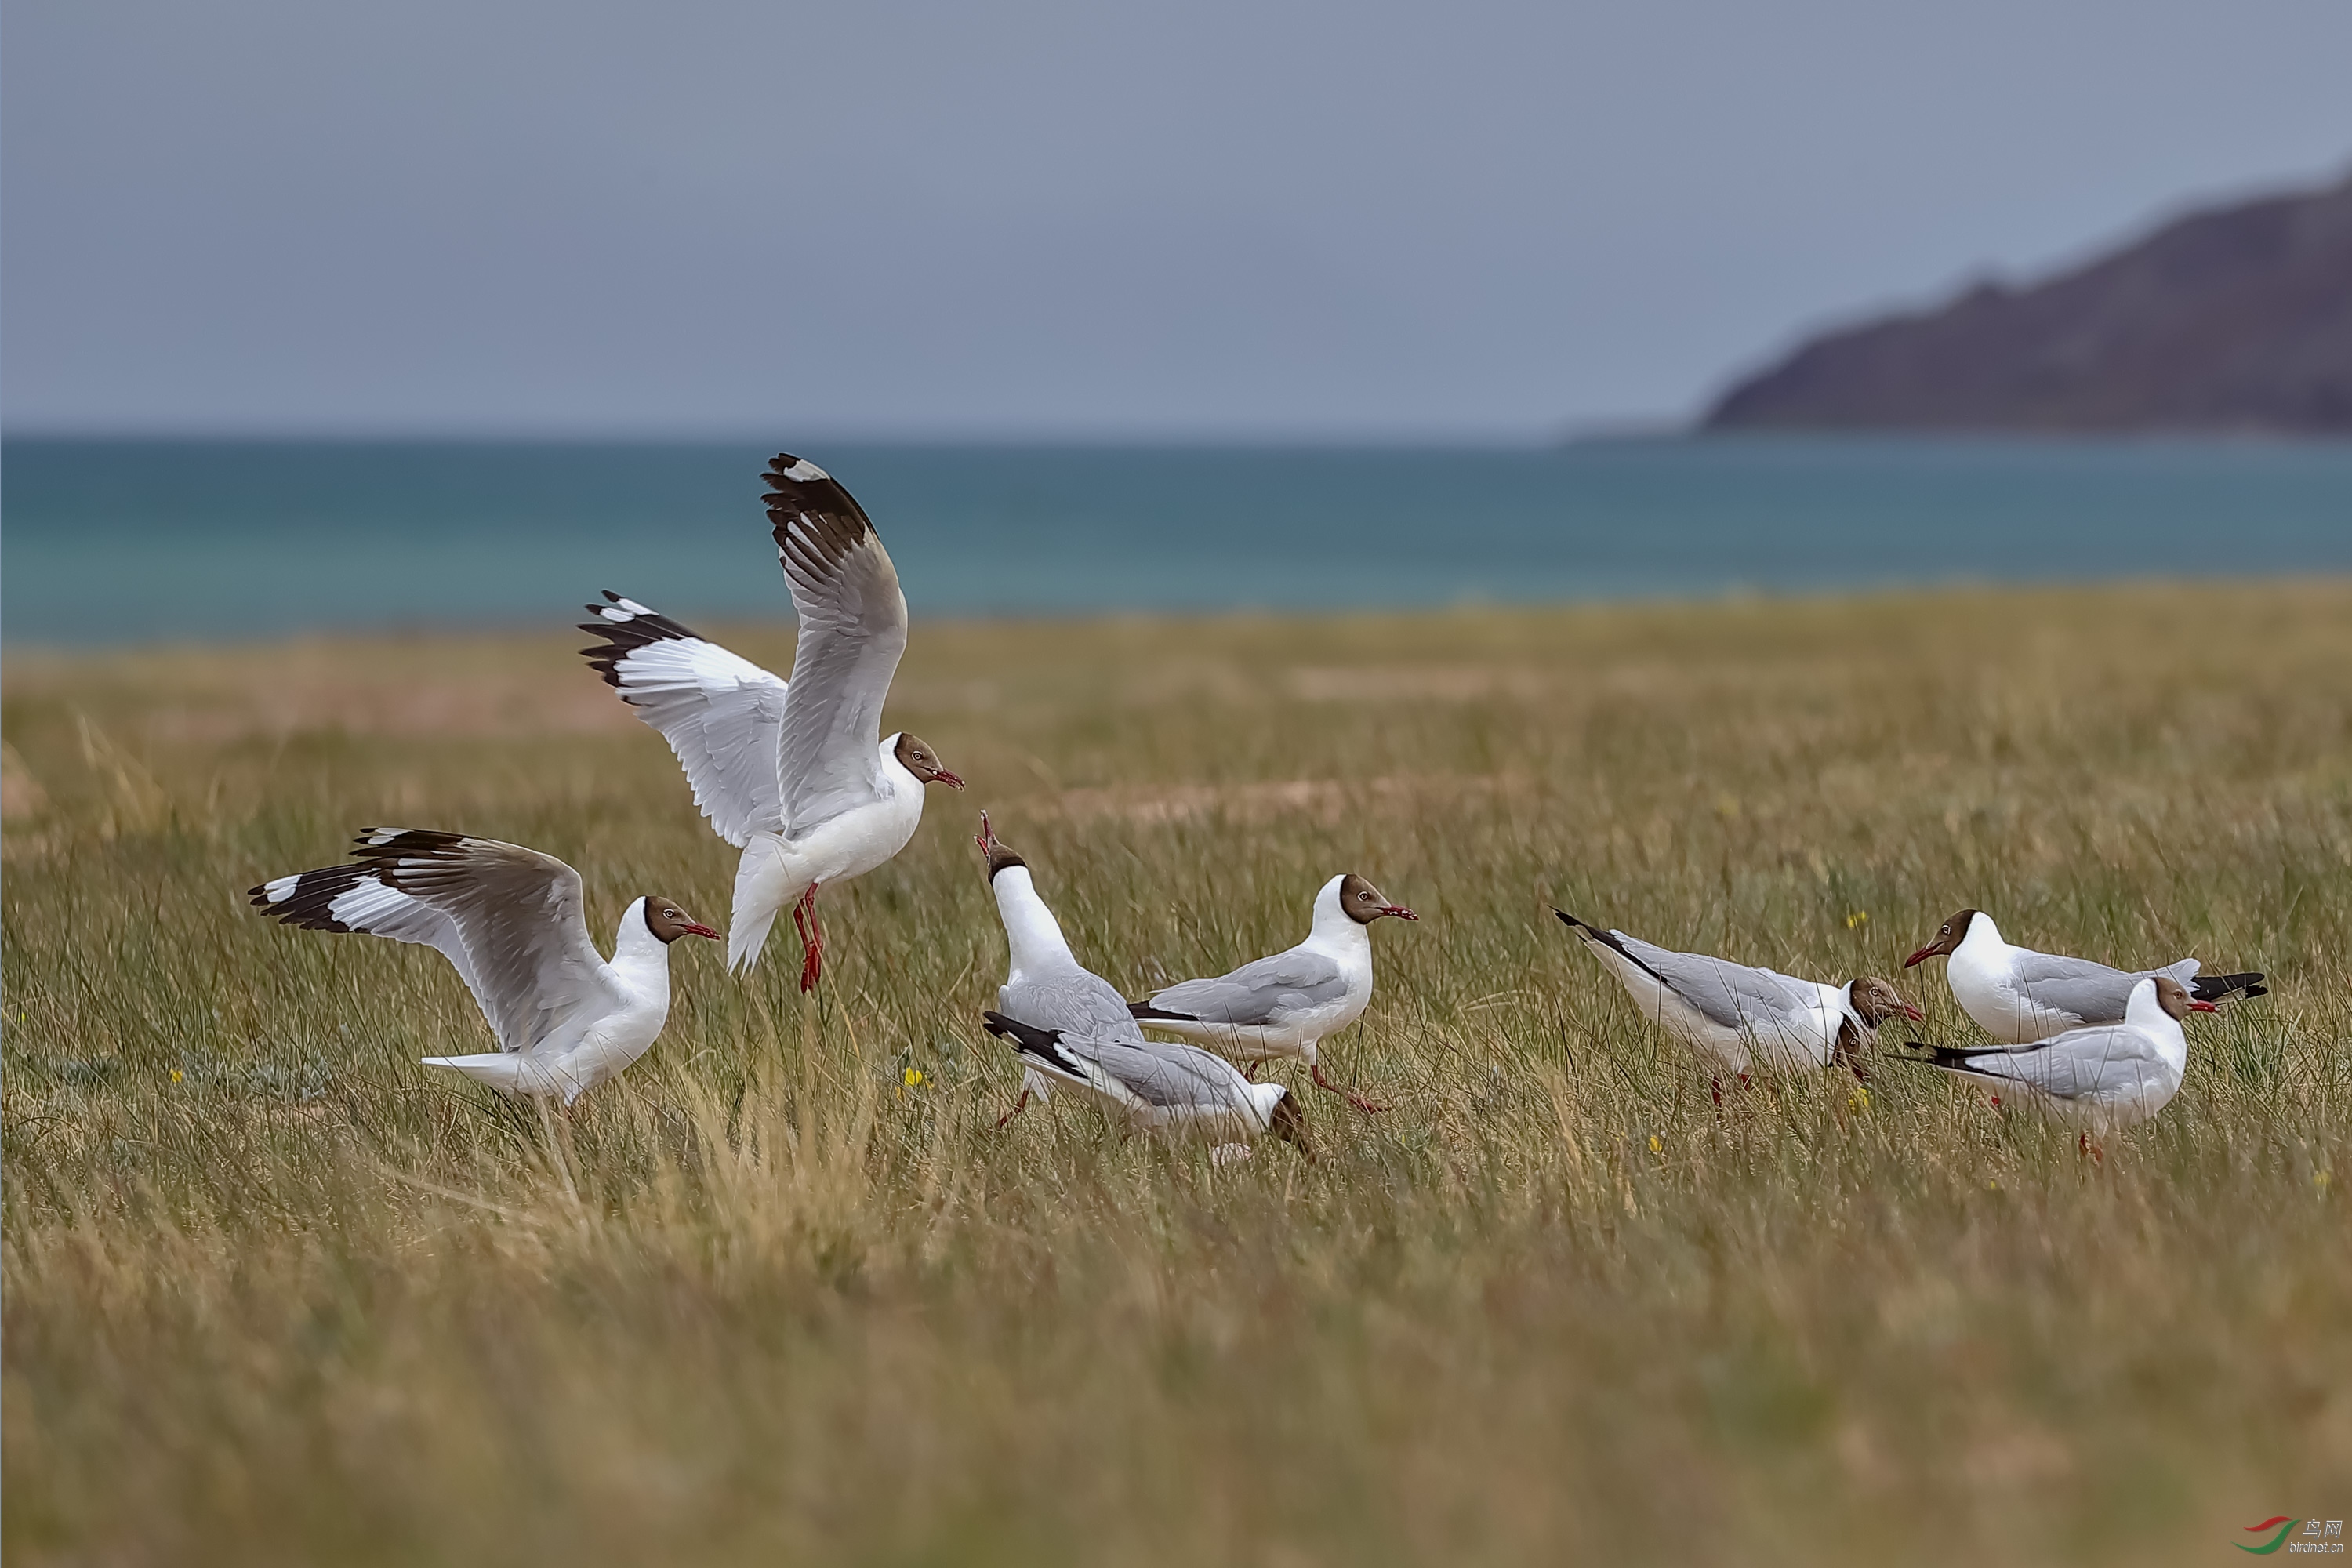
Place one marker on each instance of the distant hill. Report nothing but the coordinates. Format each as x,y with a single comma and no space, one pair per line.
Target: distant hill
2237,317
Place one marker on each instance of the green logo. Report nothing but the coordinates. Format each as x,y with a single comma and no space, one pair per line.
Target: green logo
2281,1523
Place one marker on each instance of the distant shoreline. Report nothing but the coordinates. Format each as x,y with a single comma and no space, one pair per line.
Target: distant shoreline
111,542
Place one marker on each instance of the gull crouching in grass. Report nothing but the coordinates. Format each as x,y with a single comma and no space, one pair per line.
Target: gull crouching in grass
2020,996
2102,1077
1166,1088
1283,1005
796,774
1069,1025
511,920
1738,1018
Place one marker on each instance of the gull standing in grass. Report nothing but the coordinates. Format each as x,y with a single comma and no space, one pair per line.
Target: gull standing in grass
1070,1027
511,920
2104,1076
2020,996
1738,1018
797,775
1283,1005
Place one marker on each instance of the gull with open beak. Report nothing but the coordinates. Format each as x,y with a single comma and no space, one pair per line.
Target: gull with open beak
1071,1028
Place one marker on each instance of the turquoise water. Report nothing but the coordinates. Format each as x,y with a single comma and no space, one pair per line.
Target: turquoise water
108,542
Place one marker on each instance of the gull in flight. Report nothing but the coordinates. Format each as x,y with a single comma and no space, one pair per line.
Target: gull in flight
2020,996
1072,1027
1283,1005
1735,1017
797,776
511,920
2103,1077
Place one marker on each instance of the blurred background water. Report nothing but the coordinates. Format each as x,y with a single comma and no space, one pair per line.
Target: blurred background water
122,540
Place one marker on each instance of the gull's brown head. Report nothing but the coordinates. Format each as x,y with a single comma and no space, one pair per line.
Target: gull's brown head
1288,1122
1363,903
2174,998
919,760
667,919
999,856
1948,936
1874,1001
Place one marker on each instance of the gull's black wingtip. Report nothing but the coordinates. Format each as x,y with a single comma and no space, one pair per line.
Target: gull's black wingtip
1019,1032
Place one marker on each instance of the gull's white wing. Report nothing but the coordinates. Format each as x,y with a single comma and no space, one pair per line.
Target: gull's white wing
853,631
723,714
510,918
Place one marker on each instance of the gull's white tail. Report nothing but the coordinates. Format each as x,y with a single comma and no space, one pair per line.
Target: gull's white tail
505,1071
762,889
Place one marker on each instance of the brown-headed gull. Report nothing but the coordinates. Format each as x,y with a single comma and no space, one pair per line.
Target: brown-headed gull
2018,995
1735,1016
798,776
1070,1027
511,920
1283,1005
2101,1077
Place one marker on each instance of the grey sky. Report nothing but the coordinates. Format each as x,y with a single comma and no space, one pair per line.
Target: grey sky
1041,219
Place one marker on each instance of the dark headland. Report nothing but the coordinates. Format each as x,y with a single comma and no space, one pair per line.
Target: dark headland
2230,318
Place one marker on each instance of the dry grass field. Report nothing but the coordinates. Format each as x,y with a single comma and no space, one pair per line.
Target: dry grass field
276,1294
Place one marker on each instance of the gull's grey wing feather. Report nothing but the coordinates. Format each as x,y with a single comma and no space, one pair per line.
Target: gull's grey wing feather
2091,992
1164,1074
1728,995
2102,1061
1079,1003
723,714
852,630
1259,992
519,917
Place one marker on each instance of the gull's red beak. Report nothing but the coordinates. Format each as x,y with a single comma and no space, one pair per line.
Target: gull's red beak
1920,957
699,931
1399,911
2196,1006
940,775
984,837
1914,1013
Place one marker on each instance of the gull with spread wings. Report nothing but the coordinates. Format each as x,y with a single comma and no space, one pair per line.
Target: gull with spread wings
797,775
513,921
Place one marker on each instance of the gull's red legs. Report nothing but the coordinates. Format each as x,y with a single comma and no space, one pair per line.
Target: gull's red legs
1358,1100
812,939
